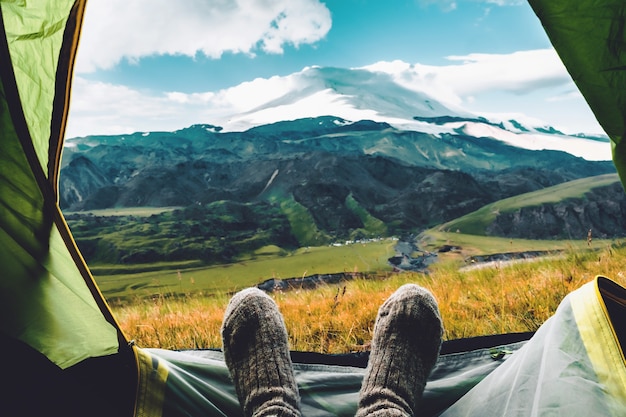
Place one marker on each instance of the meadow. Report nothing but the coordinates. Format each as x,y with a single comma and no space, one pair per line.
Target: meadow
502,298
177,279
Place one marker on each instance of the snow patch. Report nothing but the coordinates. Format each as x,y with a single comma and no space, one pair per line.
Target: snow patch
584,148
341,122
271,180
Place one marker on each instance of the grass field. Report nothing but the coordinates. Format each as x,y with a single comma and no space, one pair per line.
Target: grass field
302,223
371,225
123,284
339,318
181,305
179,280
481,245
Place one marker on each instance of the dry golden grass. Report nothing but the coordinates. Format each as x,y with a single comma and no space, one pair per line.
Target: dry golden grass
183,323
340,318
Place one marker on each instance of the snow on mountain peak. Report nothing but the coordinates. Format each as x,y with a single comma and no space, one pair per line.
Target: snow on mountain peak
353,94
395,92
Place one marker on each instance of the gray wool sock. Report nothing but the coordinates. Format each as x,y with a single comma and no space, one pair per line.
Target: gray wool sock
256,352
405,347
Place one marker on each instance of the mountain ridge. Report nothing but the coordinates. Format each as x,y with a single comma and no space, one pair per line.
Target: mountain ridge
313,157
394,93
406,179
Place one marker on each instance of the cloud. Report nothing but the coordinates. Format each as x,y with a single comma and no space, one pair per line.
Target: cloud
571,94
103,108
119,29
518,73
444,5
534,82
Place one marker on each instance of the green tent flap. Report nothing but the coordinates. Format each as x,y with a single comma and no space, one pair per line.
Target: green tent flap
37,33
590,38
47,297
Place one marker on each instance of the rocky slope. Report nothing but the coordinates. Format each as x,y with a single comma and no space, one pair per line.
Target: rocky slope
407,180
603,210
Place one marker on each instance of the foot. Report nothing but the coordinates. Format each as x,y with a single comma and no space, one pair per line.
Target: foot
256,352
405,347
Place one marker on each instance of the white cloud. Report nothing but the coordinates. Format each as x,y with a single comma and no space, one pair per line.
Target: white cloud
118,29
444,5
102,108
533,82
518,72
470,75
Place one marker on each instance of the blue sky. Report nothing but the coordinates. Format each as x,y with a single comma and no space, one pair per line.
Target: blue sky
129,63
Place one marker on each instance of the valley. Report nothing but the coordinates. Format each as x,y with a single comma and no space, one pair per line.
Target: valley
206,211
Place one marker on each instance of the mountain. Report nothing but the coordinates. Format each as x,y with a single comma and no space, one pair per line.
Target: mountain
394,93
328,154
352,94
329,167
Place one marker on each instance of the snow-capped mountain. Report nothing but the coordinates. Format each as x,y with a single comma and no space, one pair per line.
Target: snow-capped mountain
393,93
340,154
352,94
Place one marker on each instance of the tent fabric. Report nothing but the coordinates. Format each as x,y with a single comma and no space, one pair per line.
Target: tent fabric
572,366
189,383
47,297
590,38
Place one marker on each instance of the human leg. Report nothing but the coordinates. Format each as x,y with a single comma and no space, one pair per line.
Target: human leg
405,347
256,352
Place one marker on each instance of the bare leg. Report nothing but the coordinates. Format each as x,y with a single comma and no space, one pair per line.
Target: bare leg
405,347
257,355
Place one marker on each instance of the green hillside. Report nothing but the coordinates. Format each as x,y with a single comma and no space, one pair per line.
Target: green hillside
475,223
372,226
303,225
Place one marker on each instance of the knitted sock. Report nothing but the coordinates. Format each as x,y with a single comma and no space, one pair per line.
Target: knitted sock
405,347
256,352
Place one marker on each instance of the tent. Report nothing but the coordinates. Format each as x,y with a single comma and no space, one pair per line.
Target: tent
65,355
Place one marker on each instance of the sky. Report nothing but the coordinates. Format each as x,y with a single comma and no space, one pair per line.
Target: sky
147,65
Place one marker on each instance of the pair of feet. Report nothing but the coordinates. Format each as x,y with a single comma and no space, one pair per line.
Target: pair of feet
407,338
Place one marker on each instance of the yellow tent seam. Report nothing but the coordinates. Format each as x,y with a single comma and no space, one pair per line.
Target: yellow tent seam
81,264
63,90
150,384
599,338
